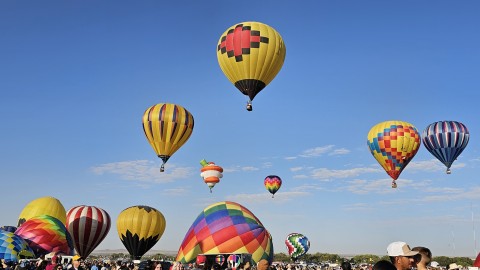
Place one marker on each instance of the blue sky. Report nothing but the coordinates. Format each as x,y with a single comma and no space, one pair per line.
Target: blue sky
76,77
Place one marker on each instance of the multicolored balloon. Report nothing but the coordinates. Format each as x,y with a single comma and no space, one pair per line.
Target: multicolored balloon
233,261
250,55
45,234
88,226
297,245
210,173
13,247
139,228
272,183
446,140
167,127
43,206
393,144
220,259
226,227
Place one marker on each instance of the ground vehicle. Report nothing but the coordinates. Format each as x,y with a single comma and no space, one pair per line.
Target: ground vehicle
224,260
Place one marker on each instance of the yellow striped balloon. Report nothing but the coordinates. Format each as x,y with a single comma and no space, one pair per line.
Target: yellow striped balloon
167,127
250,55
393,144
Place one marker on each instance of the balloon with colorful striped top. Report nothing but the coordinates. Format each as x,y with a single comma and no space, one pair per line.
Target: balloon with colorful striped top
272,183
167,128
226,227
233,261
297,245
446,140
45,234
88,226
13,247
393,144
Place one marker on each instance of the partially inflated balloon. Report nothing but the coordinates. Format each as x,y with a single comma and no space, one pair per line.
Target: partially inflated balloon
43,206
393,144
13,247
446,140
272,183
250,55
140,228
297,245
88,225
167,127
226,227
45,234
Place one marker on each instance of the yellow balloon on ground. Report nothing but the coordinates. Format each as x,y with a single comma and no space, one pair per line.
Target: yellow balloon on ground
43,206
140,228
250,55
167,127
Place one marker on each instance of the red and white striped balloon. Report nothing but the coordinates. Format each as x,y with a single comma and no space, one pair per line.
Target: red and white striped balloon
88,226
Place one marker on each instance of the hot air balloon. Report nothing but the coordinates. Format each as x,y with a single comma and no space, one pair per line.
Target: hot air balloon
210,173
45,234
13,247
220,259
140,228
250,55
297,245
167,127
446,140
393,144
226,227
43,206
272,183
88,226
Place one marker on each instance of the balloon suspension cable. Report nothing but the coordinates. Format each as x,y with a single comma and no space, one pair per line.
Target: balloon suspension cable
162,168
249,106
449,171
394,184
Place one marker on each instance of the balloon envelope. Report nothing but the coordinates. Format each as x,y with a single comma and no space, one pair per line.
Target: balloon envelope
226,227
250,55
272,183
139,228
88,226
297,245
9,228
393,144
13,247
167,127
446,140
45,234
43,206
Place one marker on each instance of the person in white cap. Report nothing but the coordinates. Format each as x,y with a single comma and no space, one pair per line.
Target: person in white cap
401,255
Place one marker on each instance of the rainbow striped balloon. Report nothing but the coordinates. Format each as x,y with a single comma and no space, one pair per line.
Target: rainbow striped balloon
220,259
272,183
45,234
